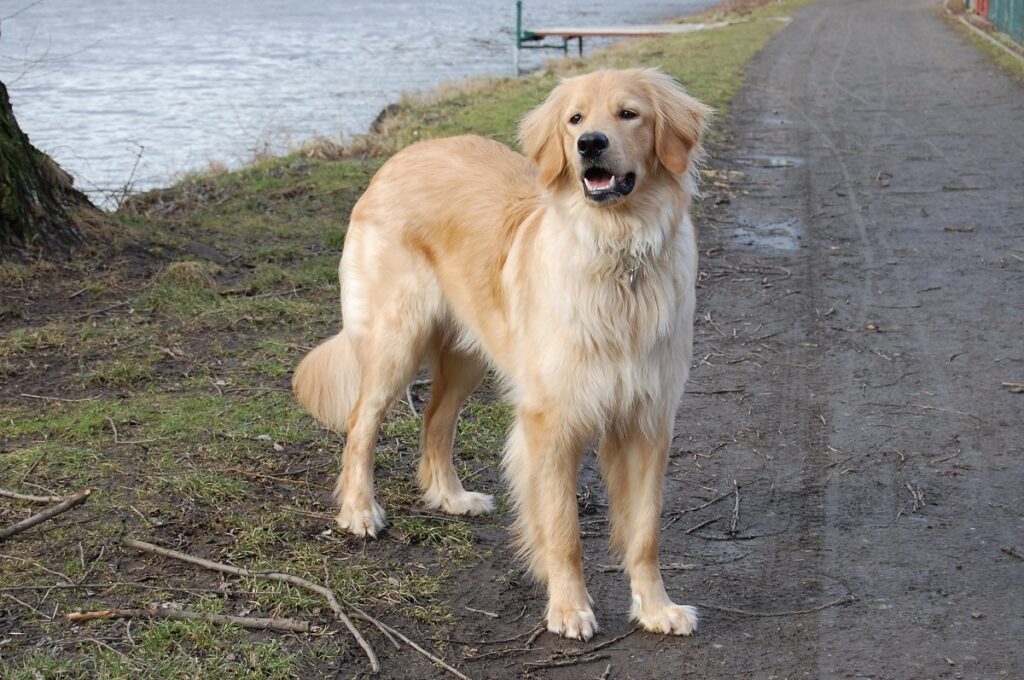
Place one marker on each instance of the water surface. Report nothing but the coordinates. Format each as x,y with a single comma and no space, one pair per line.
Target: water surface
96,84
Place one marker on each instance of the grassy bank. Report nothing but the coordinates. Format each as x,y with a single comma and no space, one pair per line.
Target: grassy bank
153,367
951,12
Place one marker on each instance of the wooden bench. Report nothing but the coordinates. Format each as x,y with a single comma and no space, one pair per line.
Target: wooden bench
533,38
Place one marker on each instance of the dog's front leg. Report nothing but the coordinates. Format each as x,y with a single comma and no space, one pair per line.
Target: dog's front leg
543,464
633,466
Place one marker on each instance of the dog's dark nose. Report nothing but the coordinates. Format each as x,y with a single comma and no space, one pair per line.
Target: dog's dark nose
592,144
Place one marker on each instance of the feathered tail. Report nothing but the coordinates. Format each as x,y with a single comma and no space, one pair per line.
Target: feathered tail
326,383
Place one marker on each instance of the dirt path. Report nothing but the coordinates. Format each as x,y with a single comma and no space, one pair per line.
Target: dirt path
862,306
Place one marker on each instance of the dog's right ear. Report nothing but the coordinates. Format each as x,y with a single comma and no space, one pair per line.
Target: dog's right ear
541,138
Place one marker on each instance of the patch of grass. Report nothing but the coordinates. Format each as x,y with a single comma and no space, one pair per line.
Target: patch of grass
402,425
205,485
15,274
189,274
120,373
19,341
448,533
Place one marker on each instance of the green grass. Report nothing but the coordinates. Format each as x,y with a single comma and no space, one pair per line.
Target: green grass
168,378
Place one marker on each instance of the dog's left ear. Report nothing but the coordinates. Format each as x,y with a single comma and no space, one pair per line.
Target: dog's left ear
680,122
540,136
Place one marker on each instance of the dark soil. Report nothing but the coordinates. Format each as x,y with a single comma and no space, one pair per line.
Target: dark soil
860,310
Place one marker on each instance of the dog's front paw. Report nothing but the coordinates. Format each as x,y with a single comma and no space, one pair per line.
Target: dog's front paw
578,624
364,519
665,617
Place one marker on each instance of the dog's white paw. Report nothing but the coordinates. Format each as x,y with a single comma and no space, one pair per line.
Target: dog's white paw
362,519
578,624
666,617
463,503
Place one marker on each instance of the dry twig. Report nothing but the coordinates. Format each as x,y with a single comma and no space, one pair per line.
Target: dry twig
735,510
383,627
38,518
31,499
325,592
155,611
743,612
559,663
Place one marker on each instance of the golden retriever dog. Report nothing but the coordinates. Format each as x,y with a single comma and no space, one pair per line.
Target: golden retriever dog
570,272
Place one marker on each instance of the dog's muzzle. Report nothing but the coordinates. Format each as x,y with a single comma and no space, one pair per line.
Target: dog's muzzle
601,185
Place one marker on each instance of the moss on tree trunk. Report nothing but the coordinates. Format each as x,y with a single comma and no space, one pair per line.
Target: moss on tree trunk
39,207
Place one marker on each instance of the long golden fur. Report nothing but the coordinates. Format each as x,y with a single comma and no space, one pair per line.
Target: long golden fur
571,272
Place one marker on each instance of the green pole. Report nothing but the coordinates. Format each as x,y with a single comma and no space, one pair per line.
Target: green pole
519,23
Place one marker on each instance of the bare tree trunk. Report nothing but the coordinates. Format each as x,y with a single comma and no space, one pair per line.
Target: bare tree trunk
39,207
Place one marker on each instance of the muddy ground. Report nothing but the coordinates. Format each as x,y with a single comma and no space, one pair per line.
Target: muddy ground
861,310
844,493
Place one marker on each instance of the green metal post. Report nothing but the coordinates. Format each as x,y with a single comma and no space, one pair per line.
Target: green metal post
519,32
519,23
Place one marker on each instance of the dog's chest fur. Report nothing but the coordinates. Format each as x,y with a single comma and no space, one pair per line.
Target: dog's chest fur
618,345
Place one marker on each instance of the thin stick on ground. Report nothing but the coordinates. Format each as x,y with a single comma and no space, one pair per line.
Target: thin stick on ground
30,498
536,630
559,663
157,612
360,614
735,510
578,656
796,612
49,513
325,592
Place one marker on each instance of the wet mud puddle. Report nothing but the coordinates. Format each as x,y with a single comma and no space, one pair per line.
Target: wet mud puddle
764,230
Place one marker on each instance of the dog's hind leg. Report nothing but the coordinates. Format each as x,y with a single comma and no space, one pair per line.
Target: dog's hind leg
633,466
386,368
456,375
389,350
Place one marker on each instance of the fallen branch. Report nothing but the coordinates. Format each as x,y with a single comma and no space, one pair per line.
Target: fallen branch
64,399
385,628
154,611
49,513
717,498
576,656
325,592
1012,552
743,612
559,663
535,630
30,498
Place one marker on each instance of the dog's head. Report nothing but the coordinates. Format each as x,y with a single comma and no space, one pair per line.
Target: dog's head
608,132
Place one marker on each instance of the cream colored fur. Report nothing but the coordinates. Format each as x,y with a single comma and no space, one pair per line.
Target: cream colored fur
463,254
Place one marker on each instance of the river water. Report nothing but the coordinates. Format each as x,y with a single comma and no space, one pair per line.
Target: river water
171,85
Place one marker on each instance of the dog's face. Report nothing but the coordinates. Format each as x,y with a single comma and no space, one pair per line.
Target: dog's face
608,132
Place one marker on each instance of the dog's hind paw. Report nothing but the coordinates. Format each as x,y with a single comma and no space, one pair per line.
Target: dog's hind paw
362,521
668,618
464,503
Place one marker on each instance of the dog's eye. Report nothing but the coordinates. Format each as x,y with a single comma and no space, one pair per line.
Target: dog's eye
575,120
627,114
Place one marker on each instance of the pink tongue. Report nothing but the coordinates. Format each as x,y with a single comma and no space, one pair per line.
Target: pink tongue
600,183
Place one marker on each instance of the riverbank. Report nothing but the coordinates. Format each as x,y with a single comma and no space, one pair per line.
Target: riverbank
153,367
116,102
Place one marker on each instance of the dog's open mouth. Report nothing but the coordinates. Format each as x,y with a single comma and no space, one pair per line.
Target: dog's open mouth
600,184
